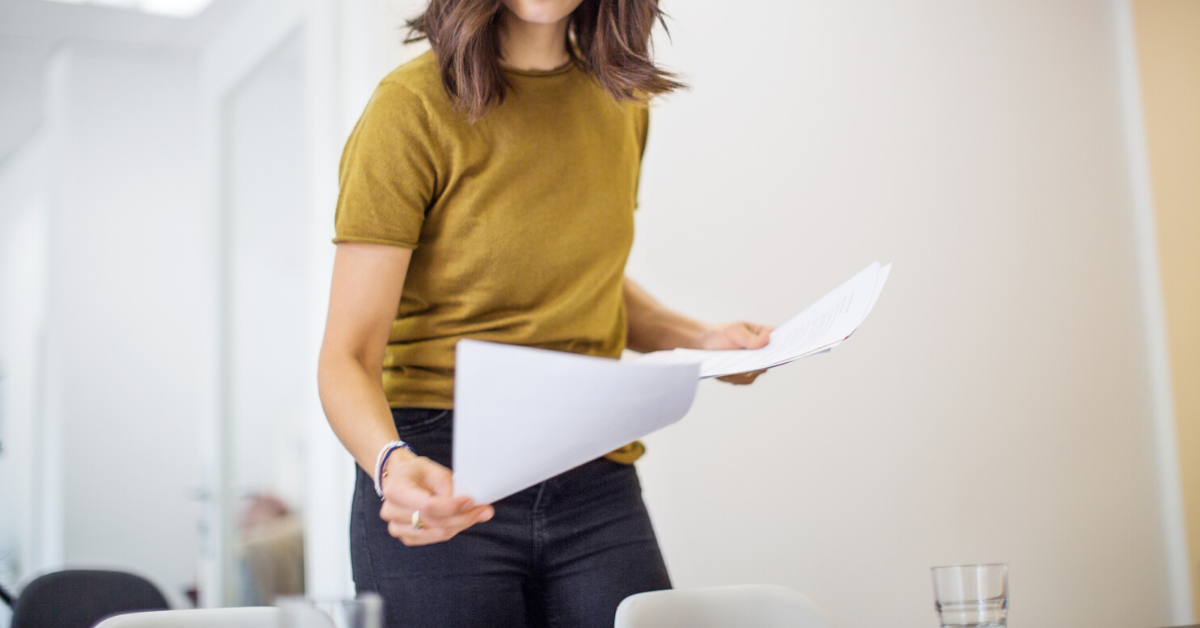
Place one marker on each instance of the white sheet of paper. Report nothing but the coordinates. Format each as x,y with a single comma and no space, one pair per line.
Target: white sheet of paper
524,415
817,329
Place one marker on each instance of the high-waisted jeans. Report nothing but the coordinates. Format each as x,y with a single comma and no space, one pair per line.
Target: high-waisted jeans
563,553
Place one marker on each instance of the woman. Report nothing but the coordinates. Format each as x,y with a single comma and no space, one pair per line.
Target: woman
488,192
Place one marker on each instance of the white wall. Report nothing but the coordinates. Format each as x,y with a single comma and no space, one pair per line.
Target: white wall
125,255
158,153
994,407
266,239
21,102
22,317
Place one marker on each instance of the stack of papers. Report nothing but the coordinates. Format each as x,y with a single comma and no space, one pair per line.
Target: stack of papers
819,328
524,415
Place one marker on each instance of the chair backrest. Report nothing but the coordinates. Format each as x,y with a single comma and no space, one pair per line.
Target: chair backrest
248,617
742,606
81,597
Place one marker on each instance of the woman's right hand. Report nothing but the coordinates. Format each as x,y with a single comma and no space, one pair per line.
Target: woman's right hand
417,484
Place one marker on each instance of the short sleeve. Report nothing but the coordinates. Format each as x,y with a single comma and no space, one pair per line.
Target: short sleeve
642,125
387,176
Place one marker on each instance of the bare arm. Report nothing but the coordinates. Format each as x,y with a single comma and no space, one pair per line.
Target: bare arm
367,281
653,327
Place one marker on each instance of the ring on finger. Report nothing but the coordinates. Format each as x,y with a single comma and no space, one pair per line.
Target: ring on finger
416,520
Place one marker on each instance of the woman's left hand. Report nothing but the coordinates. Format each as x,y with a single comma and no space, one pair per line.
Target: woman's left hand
736,335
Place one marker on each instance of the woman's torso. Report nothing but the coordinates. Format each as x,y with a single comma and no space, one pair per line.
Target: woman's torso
521,223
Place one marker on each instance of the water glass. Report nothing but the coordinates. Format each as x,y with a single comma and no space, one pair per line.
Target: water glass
971,596
366,611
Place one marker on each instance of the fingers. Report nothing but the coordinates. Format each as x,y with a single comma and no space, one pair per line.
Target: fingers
759,328
424,486
749,335
437,478
404,516
742,379
431,531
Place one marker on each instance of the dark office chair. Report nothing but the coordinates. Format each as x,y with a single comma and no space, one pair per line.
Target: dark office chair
80,598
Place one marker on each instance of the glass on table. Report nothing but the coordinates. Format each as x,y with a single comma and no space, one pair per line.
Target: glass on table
971,596
366,611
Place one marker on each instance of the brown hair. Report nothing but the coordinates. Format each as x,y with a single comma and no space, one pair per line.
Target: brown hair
607,39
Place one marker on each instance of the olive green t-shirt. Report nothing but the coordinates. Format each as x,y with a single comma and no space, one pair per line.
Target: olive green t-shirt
520,223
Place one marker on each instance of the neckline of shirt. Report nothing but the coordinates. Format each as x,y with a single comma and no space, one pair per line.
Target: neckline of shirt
562,69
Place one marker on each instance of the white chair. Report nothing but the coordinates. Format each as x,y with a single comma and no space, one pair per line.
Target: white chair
743,606
249,617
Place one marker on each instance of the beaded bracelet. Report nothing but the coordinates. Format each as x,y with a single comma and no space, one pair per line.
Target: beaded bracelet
381,461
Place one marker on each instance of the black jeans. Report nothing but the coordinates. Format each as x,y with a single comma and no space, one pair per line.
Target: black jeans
563,553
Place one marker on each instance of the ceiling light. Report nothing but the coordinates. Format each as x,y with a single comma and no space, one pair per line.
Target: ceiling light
168,8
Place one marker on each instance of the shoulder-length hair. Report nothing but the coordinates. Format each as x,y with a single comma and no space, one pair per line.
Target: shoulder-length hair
607,39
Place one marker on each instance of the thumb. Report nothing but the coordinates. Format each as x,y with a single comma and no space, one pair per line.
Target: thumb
749,336
437,478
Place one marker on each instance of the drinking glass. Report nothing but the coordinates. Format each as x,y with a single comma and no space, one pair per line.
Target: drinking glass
366,611
971,596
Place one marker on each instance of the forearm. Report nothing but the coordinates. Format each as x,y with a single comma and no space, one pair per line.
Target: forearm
356,408
654,327
417,502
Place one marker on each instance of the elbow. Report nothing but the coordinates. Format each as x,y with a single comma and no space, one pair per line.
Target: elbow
331,368
324,375
337,367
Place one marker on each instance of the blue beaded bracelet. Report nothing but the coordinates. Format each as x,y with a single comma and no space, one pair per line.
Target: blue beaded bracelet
381,462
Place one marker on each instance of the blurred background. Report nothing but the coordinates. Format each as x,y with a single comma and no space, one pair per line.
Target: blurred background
1026,391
